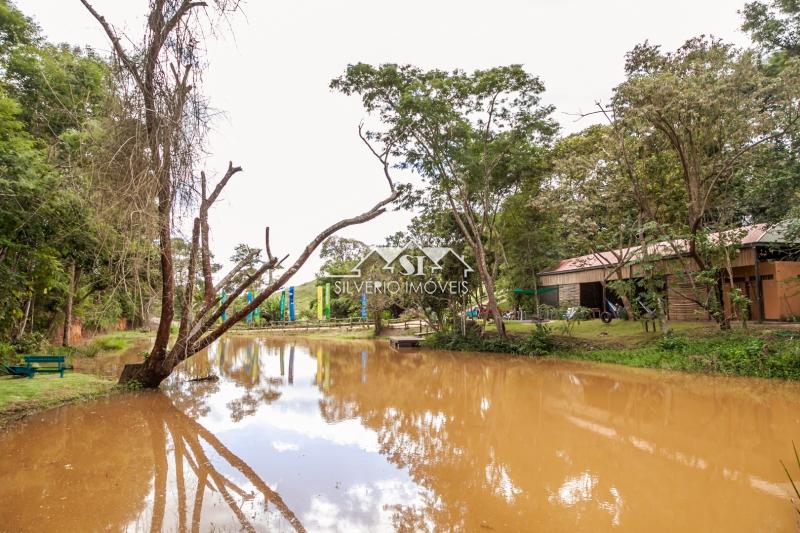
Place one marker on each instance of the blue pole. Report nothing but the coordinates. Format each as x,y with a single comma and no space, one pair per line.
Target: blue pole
291,304
364,306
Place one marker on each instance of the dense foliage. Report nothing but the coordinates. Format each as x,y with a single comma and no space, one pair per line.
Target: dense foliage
695,141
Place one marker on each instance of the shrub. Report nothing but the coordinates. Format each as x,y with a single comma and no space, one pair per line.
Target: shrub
28,343
671,342
539,342
7,353
90,350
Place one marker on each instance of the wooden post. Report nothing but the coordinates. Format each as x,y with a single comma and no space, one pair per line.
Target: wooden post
759,291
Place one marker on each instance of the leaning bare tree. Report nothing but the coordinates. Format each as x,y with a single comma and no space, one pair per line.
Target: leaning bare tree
164,71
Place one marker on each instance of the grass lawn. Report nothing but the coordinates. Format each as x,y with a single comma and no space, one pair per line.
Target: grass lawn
22,396
760,351
751,353
617,332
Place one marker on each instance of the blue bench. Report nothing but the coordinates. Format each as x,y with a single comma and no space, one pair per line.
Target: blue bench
28,369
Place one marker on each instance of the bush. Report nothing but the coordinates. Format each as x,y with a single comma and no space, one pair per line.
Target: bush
28,343
7,353
539,342
90,350
671,342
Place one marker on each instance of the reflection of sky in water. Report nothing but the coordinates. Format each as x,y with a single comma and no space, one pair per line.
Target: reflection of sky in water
330,474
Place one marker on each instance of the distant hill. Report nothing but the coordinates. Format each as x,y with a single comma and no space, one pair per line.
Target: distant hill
304,294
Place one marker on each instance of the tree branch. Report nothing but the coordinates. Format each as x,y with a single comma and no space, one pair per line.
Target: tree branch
376,210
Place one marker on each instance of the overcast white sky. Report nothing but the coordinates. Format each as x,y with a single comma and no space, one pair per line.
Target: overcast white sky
304,166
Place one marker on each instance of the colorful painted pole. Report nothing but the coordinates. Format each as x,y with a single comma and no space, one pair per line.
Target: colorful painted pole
320,310
249,301
291,304
283,305
222,298
257,314
364,306
327,301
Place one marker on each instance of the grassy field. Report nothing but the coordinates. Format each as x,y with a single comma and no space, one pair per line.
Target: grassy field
762,351
740,353
618,331
22,396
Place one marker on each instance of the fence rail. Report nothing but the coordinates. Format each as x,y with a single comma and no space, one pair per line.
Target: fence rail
333,323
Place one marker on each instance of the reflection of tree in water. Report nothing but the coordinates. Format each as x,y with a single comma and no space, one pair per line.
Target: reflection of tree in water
189,458
409,403
499,439
238,359
131,462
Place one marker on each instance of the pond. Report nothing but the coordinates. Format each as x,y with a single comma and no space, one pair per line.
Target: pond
323,435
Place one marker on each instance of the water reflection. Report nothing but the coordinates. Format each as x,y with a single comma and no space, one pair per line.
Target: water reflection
146,466
352,436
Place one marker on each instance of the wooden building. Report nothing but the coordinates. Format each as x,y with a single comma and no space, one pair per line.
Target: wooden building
764,266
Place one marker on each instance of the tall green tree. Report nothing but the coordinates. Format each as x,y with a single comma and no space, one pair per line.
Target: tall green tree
711,107
472,137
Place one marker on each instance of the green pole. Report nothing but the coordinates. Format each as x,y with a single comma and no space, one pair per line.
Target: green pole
327,301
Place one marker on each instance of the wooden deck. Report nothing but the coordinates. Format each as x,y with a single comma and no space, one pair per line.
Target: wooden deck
404,342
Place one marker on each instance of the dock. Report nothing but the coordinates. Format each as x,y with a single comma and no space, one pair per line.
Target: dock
404,342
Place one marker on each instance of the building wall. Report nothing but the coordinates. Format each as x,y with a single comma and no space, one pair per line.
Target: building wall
678,306
743,257
780,283
569,294
568,278
782,293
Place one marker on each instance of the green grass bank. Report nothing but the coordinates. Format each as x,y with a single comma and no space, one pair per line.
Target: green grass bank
765,351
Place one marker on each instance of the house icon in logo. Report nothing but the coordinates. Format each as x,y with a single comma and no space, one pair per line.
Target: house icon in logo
404,260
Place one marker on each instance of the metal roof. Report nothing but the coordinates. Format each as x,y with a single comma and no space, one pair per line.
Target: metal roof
754,234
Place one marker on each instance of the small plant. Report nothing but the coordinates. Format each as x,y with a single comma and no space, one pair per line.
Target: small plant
133,385
671,342
539,342
90,350
572,316
7,353
795,503
742,304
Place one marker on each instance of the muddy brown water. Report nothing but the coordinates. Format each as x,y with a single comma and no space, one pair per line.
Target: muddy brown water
321,435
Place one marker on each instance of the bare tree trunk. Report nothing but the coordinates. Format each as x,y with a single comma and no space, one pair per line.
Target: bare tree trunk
68,305
21,330
164,99
488,282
